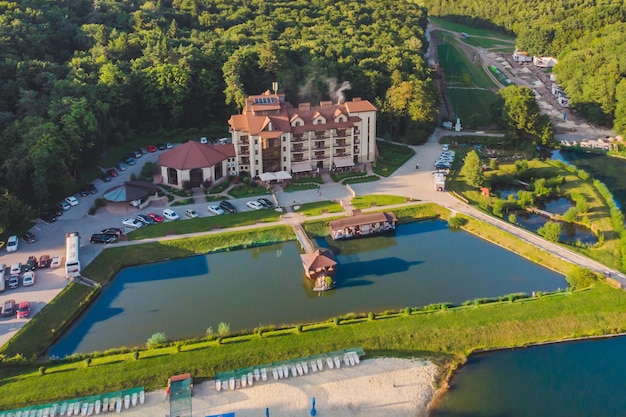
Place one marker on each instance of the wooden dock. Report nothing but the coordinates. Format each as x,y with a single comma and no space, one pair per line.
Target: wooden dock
305,242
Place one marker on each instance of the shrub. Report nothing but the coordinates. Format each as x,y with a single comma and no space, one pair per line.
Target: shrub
136,355
580,277
156,340
223,329
42,370
371,316
456,222
550,231
209,334
87,362
299,328
337,321
512,219
407,311
133,177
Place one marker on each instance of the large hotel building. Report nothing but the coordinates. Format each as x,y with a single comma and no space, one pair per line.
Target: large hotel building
271,135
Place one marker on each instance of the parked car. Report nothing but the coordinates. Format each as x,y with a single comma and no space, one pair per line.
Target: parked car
132,223
161,146
157,218
71,200
29,237
170,214
12,243
83,192
16,268
151,148
55,262
31,264
169,145
91,188
145,219
113,231
44,261
8,308
14,281
49,217
191,214
266,203
101,238
217,210
204,140
254,205
28,279
23,310
129,161
445,148
105,177
121,166
112,172
64,205
228,207
134,154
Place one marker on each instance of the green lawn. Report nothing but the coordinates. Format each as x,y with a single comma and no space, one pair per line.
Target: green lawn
473,106
459,69
317,208
203,224
358,180
365,201
491,44
460,28
391,157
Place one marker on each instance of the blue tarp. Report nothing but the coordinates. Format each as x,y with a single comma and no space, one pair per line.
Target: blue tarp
223,415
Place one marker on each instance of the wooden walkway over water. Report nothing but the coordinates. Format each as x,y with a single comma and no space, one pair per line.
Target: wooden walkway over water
303,238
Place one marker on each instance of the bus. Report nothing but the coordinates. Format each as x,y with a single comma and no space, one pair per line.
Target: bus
72,247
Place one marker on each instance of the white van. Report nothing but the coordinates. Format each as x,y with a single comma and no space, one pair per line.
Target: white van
12,244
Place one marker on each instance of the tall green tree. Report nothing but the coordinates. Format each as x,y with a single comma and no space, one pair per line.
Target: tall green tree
520,110
472,170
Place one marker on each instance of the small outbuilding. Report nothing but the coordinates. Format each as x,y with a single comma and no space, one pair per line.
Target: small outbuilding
135,193
319,263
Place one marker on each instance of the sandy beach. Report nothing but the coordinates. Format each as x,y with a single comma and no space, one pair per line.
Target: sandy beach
375,387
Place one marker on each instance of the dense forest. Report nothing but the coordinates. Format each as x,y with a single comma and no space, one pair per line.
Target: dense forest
587,36
79,76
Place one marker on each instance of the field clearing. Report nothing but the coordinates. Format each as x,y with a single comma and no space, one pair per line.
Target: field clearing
491,44
458,68
473,106
458,27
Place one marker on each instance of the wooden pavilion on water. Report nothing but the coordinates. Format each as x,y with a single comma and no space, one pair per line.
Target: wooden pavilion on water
320,266
359,225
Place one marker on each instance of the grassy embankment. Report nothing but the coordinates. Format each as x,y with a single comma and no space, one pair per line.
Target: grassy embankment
445,335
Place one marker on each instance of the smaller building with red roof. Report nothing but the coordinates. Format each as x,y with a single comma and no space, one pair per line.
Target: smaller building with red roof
195,162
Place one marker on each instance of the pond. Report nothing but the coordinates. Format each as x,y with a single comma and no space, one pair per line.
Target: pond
570,232
422,263
583,378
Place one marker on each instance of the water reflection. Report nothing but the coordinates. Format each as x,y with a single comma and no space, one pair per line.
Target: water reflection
570,232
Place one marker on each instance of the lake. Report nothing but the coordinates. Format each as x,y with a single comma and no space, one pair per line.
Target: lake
573,379
422,263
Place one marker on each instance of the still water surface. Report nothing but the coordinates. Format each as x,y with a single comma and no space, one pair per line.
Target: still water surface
422,263
562,380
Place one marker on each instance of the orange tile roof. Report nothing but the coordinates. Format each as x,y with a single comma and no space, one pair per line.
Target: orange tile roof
194,154
358,105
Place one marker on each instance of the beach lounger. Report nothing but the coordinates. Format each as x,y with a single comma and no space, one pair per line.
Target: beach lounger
320,364
83,409
257,375
89,409
329,362
264,374
314,366
305,368
218,385
337,362
232,384
294,371
105,405
126,402
133,399
351,358
54,409
142,397
346,361
285,371
98,407
118,405
356,357
46,412
244,381
275,373
299,369
250,379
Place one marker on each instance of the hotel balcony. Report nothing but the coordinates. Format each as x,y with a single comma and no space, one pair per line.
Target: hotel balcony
342,143
299,148
241,141
243,161
298,158
298,138
244,149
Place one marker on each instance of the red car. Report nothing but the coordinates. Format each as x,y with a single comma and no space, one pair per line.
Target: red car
112,172
151,148
23,310
157,218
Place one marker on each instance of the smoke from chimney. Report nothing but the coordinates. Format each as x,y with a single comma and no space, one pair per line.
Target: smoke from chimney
336,92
